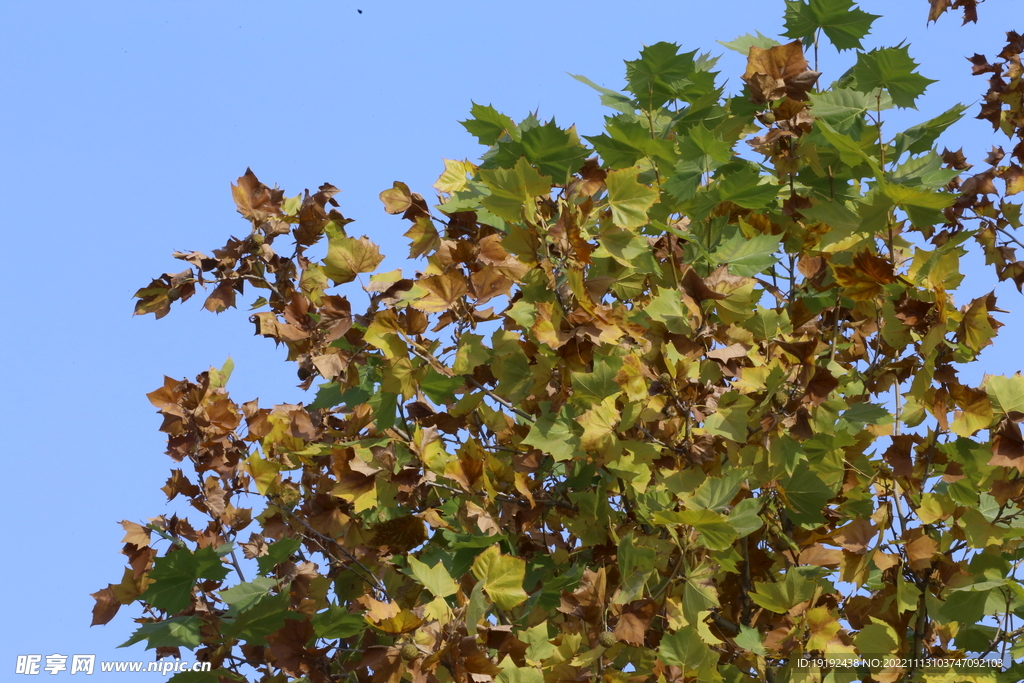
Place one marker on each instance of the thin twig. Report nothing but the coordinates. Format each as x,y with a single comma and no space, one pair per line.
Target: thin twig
369,578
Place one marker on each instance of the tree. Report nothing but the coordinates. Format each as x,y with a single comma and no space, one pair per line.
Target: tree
671,402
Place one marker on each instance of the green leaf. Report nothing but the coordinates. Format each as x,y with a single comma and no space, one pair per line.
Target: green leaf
629,200
440,389
747,189
636,564
627,140
383,404
715,493
705,148
435,579
598,384
921,137
893,69
520,674
610,98
685,649
746,257
262,618
807,495
176,632
842,108
659,74
850,151
514,190
556,152
487,124
783,595
175,574
337,622
277,552
502,577
347,257
555,434
715,531
471,353
667,308
730,420
244,595
537,639
747,41
750,639
745,518
924,207
877,639
327,396
1006,393
843,23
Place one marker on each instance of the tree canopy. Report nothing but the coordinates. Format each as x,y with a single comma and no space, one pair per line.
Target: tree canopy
677,401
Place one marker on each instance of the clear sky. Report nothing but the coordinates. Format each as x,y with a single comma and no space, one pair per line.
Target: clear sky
123,124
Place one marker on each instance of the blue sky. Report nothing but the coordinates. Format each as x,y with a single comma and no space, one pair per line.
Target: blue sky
125,122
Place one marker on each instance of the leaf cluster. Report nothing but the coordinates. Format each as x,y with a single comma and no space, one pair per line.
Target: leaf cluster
676,401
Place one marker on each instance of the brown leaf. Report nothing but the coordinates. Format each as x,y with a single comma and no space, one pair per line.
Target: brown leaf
856,536
980,183
1013,176
288,645
223,296
179,483
937,8
423,237
592,178
821,385
255,547
864,279
821,556
255,200
780,71
136,534
920,548
106,605
955,159
487,283
400,535
399,199
635,621
1008,446
443,291
899,454
588,600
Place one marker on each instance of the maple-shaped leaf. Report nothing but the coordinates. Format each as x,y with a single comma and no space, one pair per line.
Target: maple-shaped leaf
347,257
778,72
174,577
443,291
747,41
629,200
514,190
658,75
455,175
840,20
176,632
502,577
106,605
255,200
893,69
488,124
